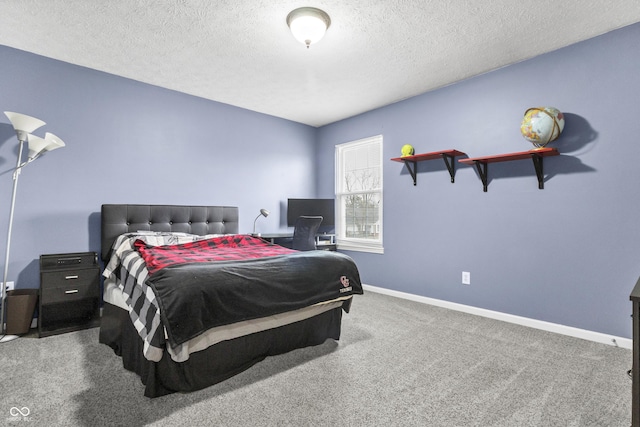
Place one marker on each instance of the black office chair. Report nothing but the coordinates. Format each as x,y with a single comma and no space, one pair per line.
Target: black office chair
304,233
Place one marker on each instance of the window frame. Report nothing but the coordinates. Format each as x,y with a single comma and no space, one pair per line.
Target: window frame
354,243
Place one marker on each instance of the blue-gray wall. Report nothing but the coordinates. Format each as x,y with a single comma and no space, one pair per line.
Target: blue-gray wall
127,142
568,254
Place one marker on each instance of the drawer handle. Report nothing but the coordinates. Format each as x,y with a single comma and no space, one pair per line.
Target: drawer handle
71,291
71,277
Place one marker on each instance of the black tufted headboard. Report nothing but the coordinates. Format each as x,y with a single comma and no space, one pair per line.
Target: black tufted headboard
118,219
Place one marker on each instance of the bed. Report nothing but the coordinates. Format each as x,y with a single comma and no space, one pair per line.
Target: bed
189,302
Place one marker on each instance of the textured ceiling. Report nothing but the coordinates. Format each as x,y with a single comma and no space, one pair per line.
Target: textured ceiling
240,52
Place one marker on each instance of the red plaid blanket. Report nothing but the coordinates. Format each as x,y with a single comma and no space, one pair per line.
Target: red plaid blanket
226,248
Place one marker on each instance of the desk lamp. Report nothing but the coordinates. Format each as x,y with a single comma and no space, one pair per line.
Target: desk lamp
264,213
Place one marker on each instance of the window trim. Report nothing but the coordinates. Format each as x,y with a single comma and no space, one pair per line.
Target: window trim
354,243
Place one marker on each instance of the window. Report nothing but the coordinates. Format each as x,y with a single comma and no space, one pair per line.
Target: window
359,195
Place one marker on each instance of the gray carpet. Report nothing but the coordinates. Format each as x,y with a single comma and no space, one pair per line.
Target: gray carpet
398,363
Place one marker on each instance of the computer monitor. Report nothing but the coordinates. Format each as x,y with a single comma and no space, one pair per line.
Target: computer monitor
312,207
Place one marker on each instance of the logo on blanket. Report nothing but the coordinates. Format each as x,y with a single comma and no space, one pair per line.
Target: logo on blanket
345,282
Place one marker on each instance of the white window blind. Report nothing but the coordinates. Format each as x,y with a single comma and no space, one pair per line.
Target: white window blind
359,195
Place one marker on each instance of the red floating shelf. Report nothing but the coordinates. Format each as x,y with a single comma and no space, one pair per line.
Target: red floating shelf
446,155
535,155
541,152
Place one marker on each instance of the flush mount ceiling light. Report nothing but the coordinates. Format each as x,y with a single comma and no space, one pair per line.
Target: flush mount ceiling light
308,24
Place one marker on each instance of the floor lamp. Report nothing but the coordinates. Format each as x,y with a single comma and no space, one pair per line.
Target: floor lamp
23,125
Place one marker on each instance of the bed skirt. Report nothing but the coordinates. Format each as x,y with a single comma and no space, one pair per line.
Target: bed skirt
216,363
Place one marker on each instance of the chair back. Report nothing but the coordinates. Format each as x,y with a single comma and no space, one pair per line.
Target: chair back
304,233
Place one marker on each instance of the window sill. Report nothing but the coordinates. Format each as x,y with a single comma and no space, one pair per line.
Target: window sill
374,248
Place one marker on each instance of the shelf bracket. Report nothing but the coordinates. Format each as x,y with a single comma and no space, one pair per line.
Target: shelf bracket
482,171
412,170
449,162
537,164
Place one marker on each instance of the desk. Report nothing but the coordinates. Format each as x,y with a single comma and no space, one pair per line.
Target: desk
635,367
272,237
326,242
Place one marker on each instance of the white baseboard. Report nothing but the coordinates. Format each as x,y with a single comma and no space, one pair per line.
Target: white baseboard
524,321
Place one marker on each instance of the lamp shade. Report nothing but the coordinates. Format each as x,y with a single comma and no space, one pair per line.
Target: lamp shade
39,145
264,212
308,24
54,142
23,123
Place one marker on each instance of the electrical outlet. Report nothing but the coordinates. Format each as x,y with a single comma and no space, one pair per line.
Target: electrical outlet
466,278
10,286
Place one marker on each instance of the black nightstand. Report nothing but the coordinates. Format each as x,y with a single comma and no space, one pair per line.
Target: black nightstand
69,293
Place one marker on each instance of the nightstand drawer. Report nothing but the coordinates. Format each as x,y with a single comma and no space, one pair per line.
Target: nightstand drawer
64,286
72,261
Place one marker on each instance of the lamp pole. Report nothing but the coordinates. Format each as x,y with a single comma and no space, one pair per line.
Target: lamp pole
3,305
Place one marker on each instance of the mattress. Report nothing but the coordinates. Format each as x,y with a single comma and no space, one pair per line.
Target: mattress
113,295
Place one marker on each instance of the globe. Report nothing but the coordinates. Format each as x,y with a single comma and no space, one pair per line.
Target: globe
407,150
541,125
